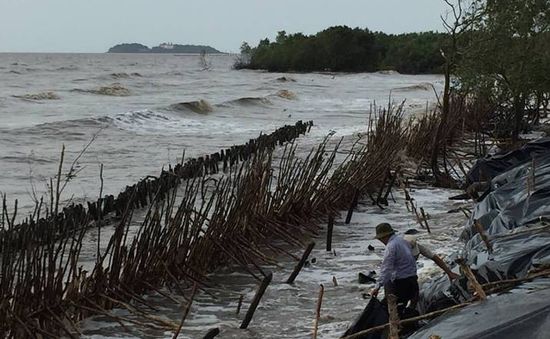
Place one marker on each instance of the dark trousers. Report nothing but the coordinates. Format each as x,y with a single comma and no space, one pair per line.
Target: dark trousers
405,290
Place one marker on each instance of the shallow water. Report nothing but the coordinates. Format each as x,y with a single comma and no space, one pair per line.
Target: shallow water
143,131
288,311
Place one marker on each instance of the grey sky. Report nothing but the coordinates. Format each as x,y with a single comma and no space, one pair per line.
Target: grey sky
96,25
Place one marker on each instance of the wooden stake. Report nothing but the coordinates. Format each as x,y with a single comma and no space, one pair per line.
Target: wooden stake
329,232
483,236
187,309
394,316
256,301
352,207
471,278
301,263
418,218
318,311
239,305
211,333
425,219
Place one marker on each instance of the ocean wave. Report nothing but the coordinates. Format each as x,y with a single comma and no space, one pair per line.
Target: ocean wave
249,101
38,96
124,75
424,86
115,89
199,106
285,79
68,68
26,158
388,72
148,122
153,122
177,73
140,120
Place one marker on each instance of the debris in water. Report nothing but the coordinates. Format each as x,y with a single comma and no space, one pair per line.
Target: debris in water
286,94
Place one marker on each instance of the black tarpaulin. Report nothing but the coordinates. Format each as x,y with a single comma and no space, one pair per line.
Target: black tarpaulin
491,166
524,314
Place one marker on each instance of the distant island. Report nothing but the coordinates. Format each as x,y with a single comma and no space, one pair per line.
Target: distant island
162,48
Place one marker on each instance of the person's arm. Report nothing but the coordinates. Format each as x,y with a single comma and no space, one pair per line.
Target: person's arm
439,262
425,251
386,269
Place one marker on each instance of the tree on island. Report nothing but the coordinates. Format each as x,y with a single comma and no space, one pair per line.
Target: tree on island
163,48
129,48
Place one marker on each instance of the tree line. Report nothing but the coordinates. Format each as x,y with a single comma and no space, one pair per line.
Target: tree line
493,51
345,49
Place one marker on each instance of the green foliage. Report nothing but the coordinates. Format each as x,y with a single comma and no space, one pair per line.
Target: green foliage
343,49
507,58
129,48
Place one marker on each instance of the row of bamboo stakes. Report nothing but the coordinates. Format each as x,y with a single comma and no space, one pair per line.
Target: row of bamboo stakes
194,224
141,194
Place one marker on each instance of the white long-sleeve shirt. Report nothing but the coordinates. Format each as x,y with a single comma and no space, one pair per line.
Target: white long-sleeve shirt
398,262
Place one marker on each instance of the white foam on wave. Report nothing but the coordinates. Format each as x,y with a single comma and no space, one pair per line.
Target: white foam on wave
153,122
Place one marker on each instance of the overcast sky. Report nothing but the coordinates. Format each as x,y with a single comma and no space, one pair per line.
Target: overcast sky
96,25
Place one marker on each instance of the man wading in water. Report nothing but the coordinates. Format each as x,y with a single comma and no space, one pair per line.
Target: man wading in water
398,270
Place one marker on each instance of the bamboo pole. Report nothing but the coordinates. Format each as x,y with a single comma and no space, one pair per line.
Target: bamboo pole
256,301
352,207
471,278
394,316
186,312
318,311
211,333
239,305
483,236
329,232
406,321
425,219
300,264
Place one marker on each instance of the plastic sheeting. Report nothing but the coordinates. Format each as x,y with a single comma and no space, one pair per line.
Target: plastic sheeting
515,215
514,255
510,316
374,314
491,166
518,197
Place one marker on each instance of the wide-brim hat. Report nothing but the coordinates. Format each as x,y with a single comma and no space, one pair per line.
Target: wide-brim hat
383,230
